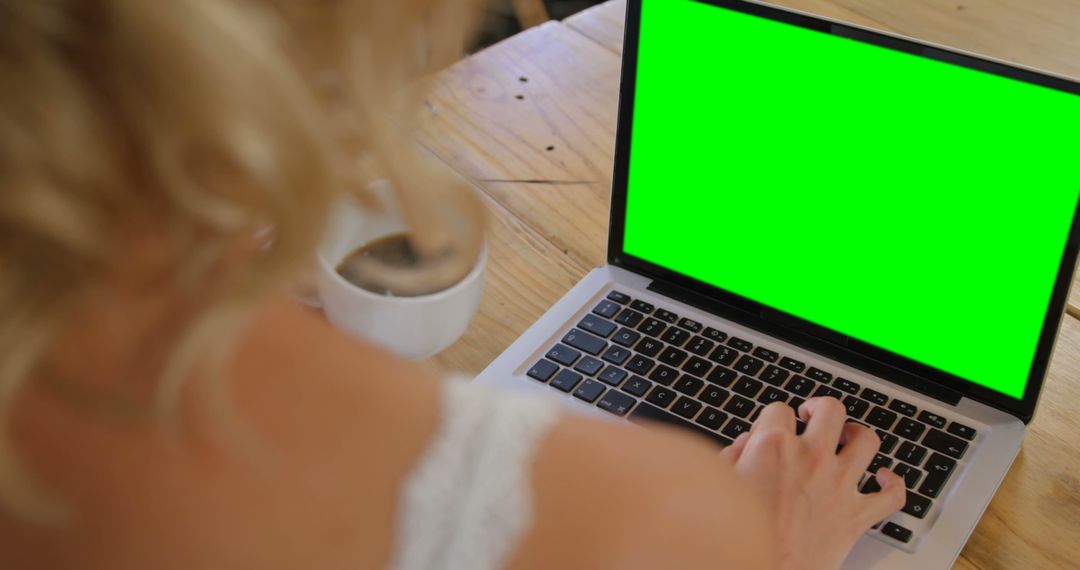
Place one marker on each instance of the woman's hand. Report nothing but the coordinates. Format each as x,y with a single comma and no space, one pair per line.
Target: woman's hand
809,489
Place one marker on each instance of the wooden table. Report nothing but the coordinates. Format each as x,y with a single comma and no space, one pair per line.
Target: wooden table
531,122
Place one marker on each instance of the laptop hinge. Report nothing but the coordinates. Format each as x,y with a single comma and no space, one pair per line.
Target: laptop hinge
805,335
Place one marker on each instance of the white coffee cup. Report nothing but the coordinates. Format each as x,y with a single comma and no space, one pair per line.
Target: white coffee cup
412,327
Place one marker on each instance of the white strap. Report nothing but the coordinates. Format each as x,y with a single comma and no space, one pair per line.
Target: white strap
468,502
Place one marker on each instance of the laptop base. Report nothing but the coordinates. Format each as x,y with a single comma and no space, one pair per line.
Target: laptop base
938,537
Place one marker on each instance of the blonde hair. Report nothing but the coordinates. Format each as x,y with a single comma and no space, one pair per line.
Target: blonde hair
210,120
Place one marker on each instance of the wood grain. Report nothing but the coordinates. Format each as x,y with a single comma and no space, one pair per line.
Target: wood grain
602,23
538,106
1034,520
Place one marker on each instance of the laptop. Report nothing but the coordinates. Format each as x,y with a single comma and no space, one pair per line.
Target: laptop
802,207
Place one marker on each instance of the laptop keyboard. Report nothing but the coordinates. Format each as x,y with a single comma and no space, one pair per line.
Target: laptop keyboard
633,359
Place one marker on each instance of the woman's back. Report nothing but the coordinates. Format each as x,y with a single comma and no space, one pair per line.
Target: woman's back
310,471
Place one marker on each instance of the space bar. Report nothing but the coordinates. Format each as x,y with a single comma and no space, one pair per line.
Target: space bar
645,413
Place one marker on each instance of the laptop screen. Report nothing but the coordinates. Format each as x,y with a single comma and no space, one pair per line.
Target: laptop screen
918,206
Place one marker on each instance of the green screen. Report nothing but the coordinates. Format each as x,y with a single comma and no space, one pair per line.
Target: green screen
915,205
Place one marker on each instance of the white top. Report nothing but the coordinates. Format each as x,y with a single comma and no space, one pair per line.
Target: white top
468,501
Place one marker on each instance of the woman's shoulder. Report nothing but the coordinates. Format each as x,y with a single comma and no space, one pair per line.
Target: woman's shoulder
616,495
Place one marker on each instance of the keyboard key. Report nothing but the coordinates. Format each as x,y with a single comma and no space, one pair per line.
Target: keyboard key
902,407
748,365
949,445
689,385
589,365
646,413
675,336
584,341
672,356
620,298
896,532
932,419
607,309
875,396
774,375
589,391
566,380
626,337
888,441
616,402
711,418
938,469
880,417
870,486
962,431
801,385
563,355
686,407
697,366
637,386
661,396
666,315
747,386
879,462
690,325
629,317
642,306
910,429
739,406
543,370
735,428
713,396
715,335
795,402
819,375
828,391
743,345
766,354
911,453
770,395
846,385
724,355
909,474
652,327
597,326
612,375
616,354
722,376
916,506
640,364
700,346
856,407
792,365
664,375
649,347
